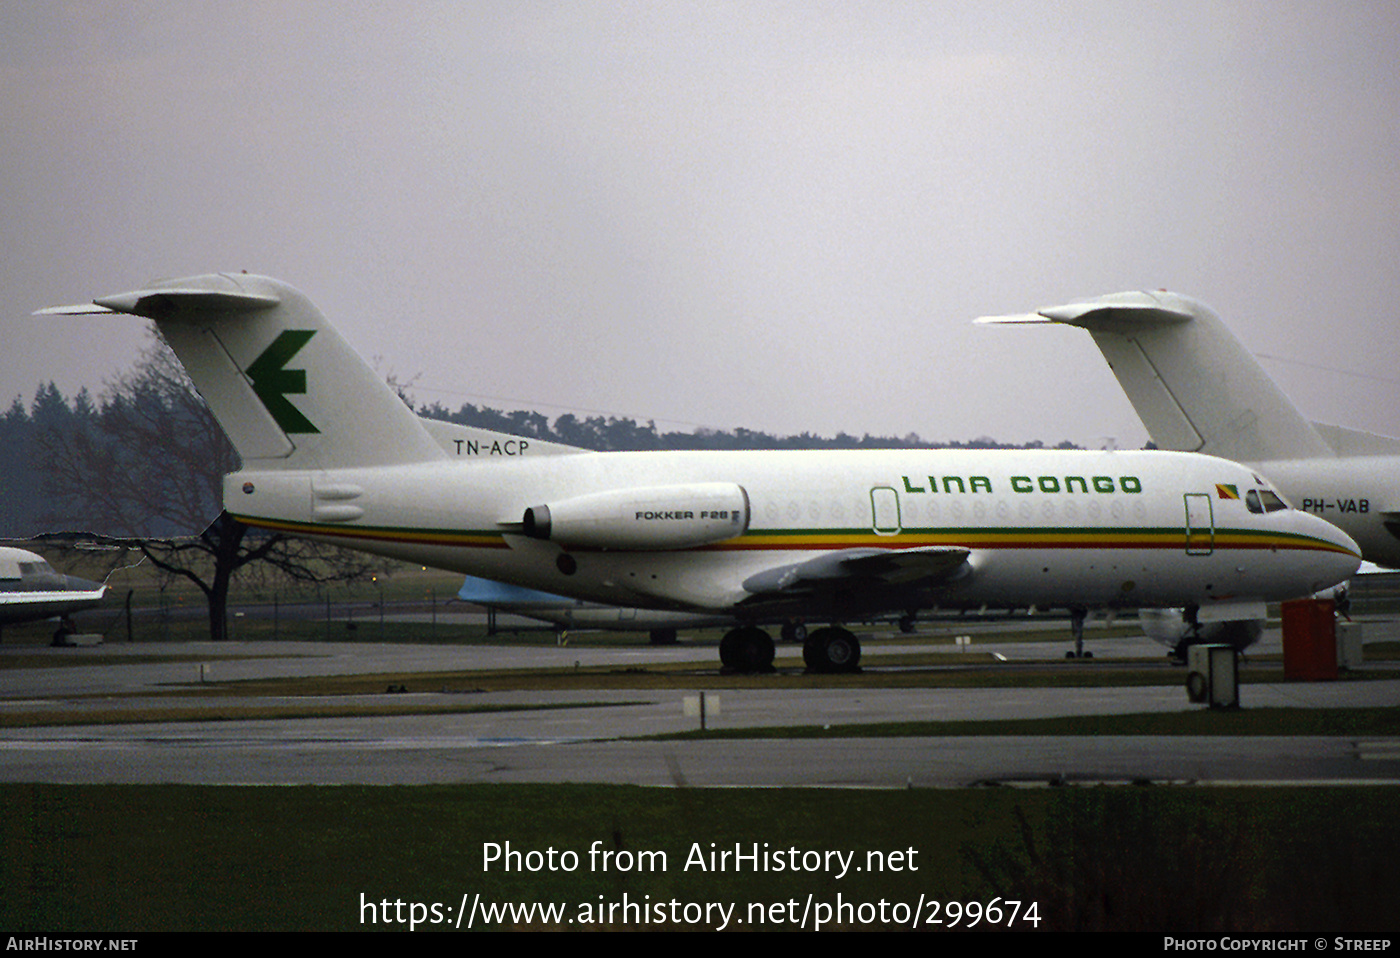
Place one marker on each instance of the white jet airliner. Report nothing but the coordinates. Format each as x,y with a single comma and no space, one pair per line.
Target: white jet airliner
330,451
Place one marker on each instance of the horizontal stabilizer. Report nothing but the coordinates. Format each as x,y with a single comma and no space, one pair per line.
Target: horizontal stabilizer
1122,312
1014,319
81,309
162,303
1119,313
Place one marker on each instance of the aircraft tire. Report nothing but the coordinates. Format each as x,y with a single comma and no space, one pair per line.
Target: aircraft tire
906,624
747,649
728,650
831,651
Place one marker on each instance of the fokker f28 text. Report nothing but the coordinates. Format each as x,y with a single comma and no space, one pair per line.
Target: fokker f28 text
329,451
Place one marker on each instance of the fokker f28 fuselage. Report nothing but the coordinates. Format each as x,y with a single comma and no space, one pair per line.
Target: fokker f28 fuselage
330,451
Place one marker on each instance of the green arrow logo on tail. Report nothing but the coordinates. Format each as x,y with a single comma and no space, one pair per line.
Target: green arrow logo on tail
273,383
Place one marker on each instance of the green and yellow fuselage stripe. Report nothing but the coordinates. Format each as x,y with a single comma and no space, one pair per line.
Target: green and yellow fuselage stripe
460,538
1171,538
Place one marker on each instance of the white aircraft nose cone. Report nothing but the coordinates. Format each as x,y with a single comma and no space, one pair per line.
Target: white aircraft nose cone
1341,562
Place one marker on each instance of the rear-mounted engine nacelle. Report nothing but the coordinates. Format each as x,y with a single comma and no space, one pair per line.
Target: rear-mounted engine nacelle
649,518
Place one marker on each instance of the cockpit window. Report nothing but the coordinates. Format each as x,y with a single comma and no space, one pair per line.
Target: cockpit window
1263,500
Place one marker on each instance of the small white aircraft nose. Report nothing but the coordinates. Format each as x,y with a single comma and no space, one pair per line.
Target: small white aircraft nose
1340,563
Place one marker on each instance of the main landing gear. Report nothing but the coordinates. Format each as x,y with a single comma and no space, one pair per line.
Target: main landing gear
1181,652
66,628
746,649
831,650
826,651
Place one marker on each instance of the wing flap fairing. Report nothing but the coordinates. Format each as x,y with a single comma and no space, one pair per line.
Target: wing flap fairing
931,565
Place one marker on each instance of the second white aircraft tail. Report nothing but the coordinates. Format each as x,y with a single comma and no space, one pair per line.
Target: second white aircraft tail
1193,384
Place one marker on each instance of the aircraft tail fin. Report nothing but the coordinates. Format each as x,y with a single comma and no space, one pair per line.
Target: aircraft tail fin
287,388
1193,384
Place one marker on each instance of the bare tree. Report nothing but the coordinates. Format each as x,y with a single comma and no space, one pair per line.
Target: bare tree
147,468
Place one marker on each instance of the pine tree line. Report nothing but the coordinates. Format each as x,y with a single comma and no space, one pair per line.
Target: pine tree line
613,433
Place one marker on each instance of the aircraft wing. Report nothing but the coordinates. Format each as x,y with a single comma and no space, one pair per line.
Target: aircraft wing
845,568
18,607
490,592
35,598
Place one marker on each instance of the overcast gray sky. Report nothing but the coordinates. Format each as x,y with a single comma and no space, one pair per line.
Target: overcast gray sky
782,216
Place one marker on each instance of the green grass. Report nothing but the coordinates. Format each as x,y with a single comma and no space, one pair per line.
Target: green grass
132,859
1271,721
